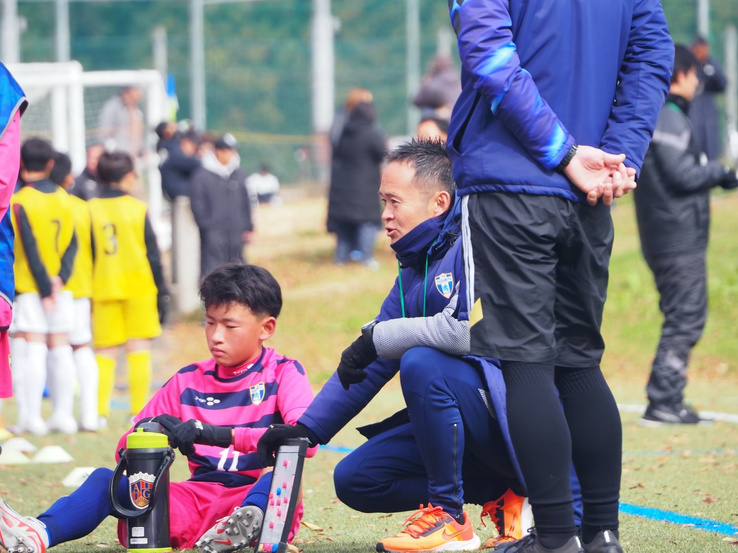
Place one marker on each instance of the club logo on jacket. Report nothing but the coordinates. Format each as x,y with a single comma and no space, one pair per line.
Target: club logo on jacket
257,393
140,486
445,284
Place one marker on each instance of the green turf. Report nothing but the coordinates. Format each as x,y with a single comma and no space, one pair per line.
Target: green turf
690,471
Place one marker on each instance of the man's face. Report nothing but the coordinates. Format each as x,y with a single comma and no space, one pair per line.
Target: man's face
234,334
93,155
701,52
686,84
224,155
405,204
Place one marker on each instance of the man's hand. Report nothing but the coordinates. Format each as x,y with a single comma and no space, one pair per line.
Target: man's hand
730,182
275,436
592,171
355,359
186,434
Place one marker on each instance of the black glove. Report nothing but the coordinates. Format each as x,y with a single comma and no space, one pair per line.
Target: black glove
162,305
275,436
355,359
186,434
167,423
730,182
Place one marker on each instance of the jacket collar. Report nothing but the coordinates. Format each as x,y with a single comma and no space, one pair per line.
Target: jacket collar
680,102
434,235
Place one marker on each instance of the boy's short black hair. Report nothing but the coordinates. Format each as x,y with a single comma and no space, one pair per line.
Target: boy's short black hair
113,166
61,169
431,163
684,61
248,285
35,154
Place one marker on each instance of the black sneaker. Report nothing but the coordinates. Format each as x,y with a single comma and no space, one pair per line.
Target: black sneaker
603,542
678,413
531,544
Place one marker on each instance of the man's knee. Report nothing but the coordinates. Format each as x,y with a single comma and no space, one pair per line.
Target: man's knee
353,487
416,365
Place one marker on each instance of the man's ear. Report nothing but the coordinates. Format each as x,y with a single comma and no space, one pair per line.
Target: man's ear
442,202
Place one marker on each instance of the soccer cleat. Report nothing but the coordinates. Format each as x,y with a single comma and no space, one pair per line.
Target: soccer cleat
19,534
658,414
531,544
511,514
603,542
432,529
237,531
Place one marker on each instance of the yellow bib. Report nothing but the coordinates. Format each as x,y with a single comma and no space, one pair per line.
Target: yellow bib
121,269
52,224
80,283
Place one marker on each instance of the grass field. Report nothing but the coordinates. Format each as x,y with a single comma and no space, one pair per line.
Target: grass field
680,471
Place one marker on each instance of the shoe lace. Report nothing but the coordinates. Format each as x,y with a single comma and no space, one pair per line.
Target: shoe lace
490,510
427,518
522,543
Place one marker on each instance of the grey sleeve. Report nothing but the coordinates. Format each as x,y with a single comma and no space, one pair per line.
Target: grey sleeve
442,331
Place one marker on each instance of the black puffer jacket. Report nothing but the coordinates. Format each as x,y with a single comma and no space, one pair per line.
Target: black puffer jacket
355,170
222,210
673,194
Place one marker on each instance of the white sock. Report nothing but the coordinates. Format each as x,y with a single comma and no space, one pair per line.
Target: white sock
18,351
62,382
87,377
34,378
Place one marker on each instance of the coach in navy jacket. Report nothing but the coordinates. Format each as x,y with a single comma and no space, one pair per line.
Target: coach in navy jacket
558,105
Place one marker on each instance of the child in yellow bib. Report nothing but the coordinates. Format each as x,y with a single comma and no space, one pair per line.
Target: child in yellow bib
128,289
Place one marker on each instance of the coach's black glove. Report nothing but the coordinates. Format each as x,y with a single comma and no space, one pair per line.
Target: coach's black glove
186,434
275,436
167,423
162,306
357,357
730,182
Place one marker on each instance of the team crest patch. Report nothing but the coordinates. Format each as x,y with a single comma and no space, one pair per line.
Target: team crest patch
140,486
257,393
445,284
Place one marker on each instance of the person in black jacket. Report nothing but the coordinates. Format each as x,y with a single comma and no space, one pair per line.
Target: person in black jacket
353,202
703,113
221,206
673,211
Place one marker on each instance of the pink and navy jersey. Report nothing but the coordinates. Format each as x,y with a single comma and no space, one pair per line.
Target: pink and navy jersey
272,389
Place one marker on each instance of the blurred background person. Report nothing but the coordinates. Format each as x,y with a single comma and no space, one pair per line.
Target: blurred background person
86,184
180,164
673,212
440,87
80,285
354,212
221,206
432,127
167,134
121,124
703,113
264,185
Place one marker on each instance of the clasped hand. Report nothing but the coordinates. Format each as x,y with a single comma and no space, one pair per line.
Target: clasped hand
600,175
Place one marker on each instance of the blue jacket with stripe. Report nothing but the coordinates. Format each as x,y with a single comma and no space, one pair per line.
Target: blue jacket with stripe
541,75
439,241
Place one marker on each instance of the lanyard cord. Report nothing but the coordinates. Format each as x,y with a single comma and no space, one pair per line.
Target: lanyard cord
402,292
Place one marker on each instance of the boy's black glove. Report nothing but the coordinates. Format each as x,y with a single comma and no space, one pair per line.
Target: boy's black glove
275,436
730,182
167,423
162,306
355,358
186,434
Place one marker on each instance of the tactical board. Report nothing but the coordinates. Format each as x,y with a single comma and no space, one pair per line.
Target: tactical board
282,497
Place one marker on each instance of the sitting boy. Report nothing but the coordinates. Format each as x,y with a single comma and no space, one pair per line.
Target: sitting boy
227,403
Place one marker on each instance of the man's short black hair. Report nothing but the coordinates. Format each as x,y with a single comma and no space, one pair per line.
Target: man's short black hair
112,167
248,285
431,163
36,153
61,169
684,61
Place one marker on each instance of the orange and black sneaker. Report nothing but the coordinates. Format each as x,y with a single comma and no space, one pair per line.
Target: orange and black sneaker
511,514
432,529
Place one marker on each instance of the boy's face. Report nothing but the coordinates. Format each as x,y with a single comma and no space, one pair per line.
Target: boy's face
235,334
685,84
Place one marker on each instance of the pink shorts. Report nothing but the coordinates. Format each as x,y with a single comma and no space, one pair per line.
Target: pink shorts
194,508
